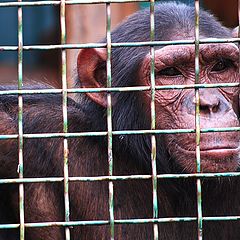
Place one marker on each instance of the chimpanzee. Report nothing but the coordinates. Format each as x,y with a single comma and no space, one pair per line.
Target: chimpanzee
175,109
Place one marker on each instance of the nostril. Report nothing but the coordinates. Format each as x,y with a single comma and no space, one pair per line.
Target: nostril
204,108
209,108
209,104
215,108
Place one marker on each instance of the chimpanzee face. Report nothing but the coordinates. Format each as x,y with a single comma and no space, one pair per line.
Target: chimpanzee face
175,108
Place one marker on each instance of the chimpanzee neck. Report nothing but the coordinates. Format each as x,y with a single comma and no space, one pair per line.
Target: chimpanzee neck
219,198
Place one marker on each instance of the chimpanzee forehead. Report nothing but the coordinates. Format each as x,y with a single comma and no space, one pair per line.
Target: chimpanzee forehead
183,54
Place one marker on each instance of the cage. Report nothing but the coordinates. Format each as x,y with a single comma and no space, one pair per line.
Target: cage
25,49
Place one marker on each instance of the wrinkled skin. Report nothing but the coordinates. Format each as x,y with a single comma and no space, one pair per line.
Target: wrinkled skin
175,109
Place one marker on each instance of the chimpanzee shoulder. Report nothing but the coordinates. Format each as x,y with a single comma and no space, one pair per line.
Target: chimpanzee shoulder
43,112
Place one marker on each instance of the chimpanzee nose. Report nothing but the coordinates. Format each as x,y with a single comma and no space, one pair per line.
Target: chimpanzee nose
209,102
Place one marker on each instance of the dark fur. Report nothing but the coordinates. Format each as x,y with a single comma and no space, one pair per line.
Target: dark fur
88,155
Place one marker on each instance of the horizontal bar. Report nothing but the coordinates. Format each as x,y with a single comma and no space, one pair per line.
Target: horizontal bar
175,219
115,89
118,178
123,132
175,131
69,2
9,226
118,221
122,44
53,47
176,42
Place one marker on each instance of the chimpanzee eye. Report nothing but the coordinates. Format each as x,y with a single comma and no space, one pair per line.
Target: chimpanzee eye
169,72
222,65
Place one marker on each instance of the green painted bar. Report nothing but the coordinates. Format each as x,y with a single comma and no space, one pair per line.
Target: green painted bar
197,123
109,120
124,132
20,123
65,116
69,2
153,122
117,89
122,44
123,221
118,178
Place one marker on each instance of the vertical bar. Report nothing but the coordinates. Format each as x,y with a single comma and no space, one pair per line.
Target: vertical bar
65,117
20,122
197,121
109,120
153,122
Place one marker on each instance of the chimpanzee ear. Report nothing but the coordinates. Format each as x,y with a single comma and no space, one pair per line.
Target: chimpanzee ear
91,66
235,32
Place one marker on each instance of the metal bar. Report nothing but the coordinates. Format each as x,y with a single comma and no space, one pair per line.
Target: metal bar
119,178
69,2
121,221
121,44
153,122
116,89
109,121
123,132
197,122
20,123
65,117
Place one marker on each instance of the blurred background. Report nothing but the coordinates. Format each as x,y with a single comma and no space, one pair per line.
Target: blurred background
85,23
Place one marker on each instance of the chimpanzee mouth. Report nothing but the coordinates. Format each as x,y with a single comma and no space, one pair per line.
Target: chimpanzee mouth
219,153
216,152
214,159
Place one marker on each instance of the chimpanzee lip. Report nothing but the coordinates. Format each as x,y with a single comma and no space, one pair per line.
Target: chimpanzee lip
217,151
220,152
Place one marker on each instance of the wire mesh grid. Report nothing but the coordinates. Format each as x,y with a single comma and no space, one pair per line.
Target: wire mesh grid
111,178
